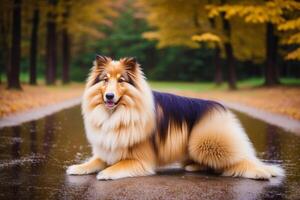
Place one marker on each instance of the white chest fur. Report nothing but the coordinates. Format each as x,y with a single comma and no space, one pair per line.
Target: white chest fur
111,134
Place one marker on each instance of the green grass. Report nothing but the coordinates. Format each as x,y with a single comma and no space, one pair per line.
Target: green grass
205,86
192,86
24,78
290,81
199,86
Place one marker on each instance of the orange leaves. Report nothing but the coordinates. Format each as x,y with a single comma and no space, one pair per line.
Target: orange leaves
35,96
294,55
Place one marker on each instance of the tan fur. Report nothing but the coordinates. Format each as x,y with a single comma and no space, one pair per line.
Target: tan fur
95,164
212,142
220,142
136,161
174,148
124,139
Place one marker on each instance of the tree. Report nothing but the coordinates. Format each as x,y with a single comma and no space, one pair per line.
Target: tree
66,45
80,22
34,44
51,46
177,21
14,69
215,41
291,26
5,35
271,13
230,59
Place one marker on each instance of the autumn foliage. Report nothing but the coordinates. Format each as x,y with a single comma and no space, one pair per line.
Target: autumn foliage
243,30
222,37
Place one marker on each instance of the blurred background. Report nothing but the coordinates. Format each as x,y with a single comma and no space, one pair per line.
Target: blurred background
174,40
248,46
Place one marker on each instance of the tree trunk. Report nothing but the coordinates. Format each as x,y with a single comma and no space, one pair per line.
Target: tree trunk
230,59
217,58
271,75
218,67
14,70
51,56
65,48
33,47
66,55
5,31
230,62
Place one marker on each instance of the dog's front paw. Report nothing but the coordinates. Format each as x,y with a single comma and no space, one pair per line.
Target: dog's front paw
76,170
104,176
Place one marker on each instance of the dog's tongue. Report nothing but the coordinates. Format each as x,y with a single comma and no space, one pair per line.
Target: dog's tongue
110,103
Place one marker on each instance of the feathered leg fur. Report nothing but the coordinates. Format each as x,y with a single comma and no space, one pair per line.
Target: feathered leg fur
95,164
220,142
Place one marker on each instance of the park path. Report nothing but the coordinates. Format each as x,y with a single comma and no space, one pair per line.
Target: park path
34,157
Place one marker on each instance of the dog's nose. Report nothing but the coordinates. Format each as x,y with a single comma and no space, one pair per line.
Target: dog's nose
109,96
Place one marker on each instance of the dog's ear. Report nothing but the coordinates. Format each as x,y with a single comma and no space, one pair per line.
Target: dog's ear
130,63
101,61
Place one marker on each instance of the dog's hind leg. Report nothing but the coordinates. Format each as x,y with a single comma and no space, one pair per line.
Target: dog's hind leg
220,142
254,169
95,164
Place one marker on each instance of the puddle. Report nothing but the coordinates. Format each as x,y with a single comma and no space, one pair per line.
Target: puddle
33,158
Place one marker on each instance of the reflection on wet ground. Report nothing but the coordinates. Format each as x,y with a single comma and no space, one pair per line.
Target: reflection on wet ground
33,158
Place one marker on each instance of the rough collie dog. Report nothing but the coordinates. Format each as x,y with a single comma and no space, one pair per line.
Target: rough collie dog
133,130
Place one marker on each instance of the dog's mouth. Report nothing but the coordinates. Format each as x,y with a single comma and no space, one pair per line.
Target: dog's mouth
111,104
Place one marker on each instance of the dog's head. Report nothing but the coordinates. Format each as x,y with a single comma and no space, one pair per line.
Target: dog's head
111,83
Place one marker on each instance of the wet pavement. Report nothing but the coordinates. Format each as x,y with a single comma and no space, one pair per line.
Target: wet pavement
34,156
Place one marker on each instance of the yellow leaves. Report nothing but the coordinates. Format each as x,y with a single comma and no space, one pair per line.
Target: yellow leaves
272,11
211,39
285,4
151,35
207,37
290,25
214,11
293,39
248,40
175,21
251,13
294,55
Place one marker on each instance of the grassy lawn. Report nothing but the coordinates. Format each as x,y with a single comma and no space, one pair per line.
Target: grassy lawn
205,86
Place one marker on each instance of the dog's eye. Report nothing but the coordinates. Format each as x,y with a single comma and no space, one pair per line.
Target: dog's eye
105,79
122,79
